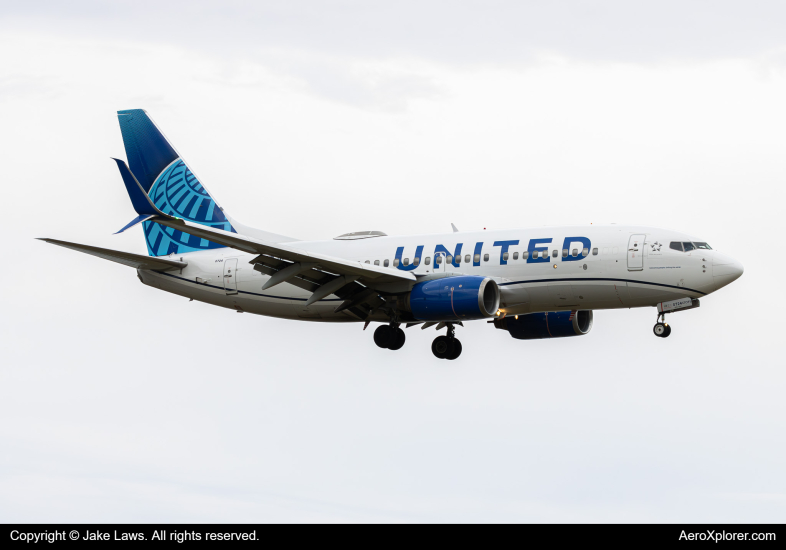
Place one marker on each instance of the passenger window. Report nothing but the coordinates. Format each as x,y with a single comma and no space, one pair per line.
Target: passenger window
368,262
449,259
575,252
477,258
688,246
565,253
466,258
387,263
674,245
515,255
416,261
505,256
428,260
584,251
554,254
395,262
485,257
525,255
376,262
406,261
458,259
594,251
437,260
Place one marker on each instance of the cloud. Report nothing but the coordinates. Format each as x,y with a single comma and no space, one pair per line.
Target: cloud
27,86
341,50
439,31
386,86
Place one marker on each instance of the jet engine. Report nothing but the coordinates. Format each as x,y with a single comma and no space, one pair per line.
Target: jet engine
551,324
454,299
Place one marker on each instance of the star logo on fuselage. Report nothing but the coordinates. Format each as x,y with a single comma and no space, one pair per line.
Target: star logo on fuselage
656,246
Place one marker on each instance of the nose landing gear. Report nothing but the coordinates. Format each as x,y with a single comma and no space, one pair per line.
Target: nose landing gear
447,347
661,328
389,337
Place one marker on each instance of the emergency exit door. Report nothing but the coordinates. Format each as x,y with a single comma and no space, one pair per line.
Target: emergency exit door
636,253
230,275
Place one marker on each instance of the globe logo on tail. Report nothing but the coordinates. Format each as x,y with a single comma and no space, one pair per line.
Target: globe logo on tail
177,192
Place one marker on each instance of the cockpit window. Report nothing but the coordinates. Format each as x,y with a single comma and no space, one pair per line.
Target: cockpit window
688,246
674,245
703,246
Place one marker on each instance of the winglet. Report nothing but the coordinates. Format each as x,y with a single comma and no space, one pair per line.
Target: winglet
139,199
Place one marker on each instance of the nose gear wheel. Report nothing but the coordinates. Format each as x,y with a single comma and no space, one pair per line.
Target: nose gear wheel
661,328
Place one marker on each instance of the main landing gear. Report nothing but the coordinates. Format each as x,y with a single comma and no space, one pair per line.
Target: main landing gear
447,347
661,329
444,347
389,337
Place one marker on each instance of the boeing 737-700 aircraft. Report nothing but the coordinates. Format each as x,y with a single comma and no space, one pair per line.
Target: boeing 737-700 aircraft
532,282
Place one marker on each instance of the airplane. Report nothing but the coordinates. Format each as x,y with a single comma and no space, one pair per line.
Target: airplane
534,283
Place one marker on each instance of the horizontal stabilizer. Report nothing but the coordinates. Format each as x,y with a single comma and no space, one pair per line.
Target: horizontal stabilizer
126,258
139,219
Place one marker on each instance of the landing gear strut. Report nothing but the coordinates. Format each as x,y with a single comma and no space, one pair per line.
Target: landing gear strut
389,337
447,347
661,328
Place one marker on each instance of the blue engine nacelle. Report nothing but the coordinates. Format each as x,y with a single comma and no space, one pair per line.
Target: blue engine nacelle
454,299
552,324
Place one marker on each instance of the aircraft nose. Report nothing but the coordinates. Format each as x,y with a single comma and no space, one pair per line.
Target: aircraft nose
725,270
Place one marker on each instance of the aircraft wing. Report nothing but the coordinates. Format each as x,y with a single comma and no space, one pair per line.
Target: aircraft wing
320,274
126,258
288,252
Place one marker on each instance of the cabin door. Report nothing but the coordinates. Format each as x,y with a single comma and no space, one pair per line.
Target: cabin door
230,275
636,253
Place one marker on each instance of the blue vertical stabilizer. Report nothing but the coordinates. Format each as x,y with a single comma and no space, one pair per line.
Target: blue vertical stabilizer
170,186
147,149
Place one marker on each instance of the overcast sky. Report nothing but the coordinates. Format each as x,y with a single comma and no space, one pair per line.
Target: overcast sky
312,119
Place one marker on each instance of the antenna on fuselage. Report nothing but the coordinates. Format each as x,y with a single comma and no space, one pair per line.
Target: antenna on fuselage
455,229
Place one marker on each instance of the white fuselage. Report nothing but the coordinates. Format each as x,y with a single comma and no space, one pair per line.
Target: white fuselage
624,267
